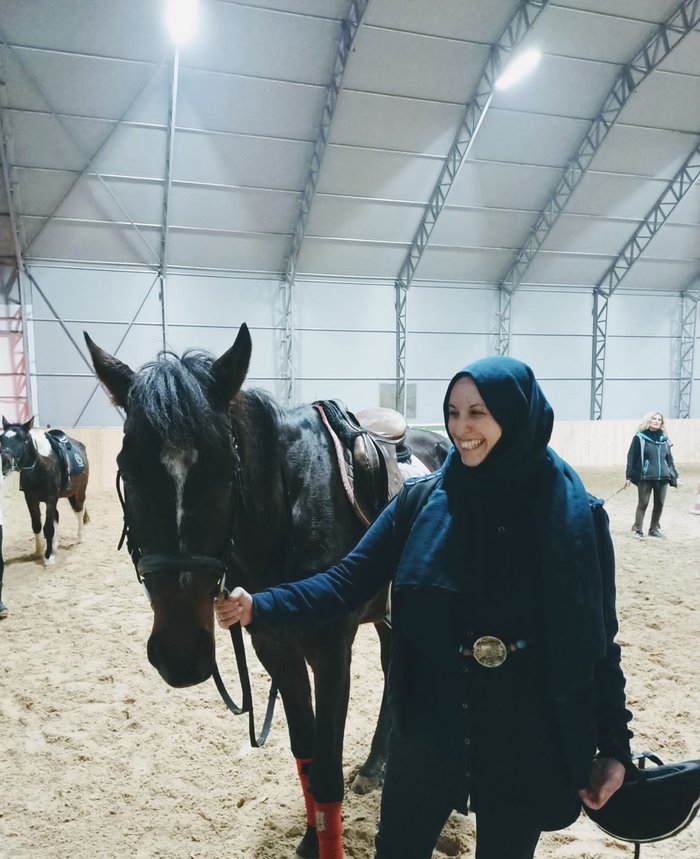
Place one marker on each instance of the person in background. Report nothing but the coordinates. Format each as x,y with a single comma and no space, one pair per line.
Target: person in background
505,687
651,468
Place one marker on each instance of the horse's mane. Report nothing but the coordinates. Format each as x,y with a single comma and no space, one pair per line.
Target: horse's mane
172,396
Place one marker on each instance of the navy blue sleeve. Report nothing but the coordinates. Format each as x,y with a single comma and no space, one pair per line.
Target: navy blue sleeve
337,591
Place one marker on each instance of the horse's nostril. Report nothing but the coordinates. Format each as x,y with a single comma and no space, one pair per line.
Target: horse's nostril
182,662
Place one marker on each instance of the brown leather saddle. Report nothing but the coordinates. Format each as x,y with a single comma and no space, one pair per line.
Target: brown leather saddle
370,445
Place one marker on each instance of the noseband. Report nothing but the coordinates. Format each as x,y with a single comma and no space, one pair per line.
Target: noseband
182,562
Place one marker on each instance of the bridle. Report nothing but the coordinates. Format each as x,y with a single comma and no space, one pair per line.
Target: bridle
179,562
27,446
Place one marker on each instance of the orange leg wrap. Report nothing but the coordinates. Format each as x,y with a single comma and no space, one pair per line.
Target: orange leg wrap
303,767
329,826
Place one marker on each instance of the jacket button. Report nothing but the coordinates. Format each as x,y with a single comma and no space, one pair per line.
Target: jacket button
501,529
465,706
465,669
467,741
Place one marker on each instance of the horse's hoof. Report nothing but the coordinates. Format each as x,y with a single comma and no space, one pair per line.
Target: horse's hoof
363,784
50,561
308,846
3,610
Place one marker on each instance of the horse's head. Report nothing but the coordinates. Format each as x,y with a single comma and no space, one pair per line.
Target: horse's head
180,467
13,444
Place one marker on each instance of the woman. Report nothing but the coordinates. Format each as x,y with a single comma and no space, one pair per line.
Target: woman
505,679
651,468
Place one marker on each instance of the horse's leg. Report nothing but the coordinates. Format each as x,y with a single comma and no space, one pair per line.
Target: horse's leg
371,773
285,664
51,530
77,502
35,515
330,661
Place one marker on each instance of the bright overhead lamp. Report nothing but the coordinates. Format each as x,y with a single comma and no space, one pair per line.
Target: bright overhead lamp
182,17
517,68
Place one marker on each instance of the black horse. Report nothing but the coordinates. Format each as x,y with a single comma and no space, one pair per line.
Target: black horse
51,466
206,467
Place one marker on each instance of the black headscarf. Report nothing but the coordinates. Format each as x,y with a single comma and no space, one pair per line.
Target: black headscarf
522,461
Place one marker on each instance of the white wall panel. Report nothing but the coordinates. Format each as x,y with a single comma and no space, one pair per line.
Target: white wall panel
636,357
440,355
551,312
107,296
343,306
442,309
223,301
345,354
615,196
636,397
265,357
554,357
475,228
569,398
640,315
567,269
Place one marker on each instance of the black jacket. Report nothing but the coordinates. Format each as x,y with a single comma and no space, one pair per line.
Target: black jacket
531,726
650,458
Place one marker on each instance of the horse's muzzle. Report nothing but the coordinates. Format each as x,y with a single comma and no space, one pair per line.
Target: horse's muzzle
182,663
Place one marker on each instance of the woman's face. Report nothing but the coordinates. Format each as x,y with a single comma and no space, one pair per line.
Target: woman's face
655,422
474,430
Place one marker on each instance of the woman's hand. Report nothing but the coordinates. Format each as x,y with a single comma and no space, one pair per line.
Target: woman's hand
237,607
607,776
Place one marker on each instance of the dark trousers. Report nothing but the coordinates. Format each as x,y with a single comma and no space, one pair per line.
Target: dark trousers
644,491
416,801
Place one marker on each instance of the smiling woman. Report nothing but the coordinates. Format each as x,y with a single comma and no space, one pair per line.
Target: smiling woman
503,600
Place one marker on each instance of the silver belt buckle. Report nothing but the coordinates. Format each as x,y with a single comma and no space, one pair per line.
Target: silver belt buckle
489,651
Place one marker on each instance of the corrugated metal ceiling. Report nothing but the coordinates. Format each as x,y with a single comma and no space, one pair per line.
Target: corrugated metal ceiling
85,114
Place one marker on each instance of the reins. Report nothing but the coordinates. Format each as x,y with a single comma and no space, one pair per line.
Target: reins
183,562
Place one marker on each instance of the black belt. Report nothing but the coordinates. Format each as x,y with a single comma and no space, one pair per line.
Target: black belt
490,651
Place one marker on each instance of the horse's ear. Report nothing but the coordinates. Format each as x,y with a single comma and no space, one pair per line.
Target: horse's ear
114,375
231,368
30,423
5,424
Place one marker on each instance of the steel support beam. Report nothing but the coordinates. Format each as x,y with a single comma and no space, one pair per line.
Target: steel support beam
167,188
648,227
19,259
686,353
349,28
666,37
505,297
520,24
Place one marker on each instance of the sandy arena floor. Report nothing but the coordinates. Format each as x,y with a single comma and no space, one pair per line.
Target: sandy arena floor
101,759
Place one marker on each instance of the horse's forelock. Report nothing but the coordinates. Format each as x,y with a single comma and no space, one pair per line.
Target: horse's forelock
171,395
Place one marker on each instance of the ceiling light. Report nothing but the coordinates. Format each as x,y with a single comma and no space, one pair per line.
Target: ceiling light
517,68
182,16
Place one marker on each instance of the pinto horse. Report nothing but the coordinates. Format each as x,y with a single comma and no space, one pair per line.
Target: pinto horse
46,474
216,477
